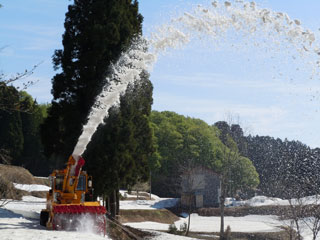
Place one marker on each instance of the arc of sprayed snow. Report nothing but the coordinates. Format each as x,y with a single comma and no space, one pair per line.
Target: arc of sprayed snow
214,21
125,71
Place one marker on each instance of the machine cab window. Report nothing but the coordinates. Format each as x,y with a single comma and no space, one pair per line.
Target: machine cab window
59,182
82,183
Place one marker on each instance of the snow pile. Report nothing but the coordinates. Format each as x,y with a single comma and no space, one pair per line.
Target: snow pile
31,187
217,23
262,201
149,204
266,201
125,194
155,203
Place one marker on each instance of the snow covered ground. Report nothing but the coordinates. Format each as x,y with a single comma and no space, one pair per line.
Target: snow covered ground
250,223
264,201
16,227
20,219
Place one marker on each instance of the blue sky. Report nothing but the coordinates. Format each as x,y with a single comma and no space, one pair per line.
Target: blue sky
198,80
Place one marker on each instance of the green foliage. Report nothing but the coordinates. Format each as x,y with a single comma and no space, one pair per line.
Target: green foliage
11,136
96,32
172,229
19,130
237,172
181,141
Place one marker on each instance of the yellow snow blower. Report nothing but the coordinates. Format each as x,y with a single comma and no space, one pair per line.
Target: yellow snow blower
70,204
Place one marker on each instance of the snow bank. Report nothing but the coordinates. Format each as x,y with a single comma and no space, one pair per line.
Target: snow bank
265,201
31,187
149,204
155,203
124,193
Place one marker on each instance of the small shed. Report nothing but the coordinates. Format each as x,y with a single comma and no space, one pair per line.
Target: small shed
200,188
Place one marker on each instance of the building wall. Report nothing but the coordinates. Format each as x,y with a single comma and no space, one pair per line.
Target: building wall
211,191
201,189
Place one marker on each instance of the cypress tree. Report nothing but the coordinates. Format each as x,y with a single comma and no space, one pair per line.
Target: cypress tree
119,151
96,33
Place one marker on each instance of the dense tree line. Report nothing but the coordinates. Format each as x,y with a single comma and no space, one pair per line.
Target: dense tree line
20,120
286,168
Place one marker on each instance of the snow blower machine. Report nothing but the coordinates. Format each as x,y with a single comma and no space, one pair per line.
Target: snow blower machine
70,204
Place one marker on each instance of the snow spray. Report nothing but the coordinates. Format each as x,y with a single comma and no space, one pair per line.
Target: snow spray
214,22
84,222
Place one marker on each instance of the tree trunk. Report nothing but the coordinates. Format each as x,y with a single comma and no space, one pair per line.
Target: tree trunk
150,186
108,204
190,210
188,228
118,202
222,201
113,205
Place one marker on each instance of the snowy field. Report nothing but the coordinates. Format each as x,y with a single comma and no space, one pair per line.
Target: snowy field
20,219
250,223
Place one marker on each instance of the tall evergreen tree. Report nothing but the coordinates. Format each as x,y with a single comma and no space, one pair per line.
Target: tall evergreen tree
96,32
119,151
11,136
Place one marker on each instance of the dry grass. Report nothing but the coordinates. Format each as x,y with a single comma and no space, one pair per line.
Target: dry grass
282,235
13,174
16,174
244,211
41,181
143,215
8,191
115,232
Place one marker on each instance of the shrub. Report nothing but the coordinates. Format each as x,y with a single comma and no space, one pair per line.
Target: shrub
173,229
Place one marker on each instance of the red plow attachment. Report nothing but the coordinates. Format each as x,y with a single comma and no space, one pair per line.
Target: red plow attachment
79,218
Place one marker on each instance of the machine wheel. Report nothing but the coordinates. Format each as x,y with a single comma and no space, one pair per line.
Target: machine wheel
44,216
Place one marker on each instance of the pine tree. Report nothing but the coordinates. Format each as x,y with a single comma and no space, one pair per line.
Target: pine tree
96,32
